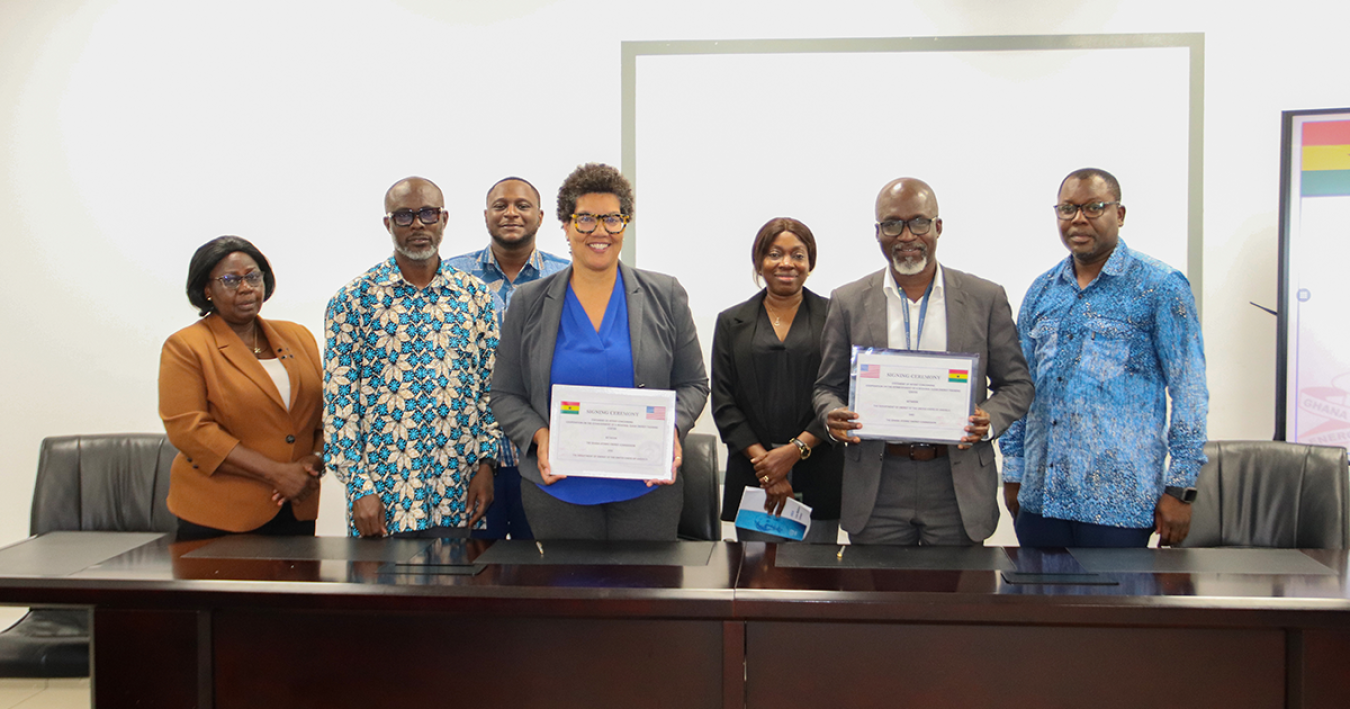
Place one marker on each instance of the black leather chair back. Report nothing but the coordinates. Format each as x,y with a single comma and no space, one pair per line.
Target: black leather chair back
100,483
699,520
104,483
1271,494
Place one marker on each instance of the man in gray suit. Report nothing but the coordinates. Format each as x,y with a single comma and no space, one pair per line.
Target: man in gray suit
916,493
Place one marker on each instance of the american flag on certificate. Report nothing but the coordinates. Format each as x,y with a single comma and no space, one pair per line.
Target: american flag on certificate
869,371
656,413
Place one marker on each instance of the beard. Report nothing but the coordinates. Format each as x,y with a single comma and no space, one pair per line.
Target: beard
525,238
417,254
910,265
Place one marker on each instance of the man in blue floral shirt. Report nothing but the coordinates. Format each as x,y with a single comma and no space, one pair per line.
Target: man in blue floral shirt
513,216
407,374
1110,334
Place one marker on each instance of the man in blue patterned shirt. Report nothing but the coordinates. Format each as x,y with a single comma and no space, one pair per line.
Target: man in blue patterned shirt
407,377
513,216
1110,334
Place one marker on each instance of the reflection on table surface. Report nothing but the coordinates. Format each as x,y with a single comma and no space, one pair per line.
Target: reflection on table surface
755,571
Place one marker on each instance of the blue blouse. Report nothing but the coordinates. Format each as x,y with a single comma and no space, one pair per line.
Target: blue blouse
584,357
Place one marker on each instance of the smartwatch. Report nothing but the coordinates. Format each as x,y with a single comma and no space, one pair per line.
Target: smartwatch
1185,494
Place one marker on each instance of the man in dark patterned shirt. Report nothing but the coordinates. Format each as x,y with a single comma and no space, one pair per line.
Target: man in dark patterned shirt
407,376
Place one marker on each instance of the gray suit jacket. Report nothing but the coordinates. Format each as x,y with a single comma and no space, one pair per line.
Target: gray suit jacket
979,321
666,354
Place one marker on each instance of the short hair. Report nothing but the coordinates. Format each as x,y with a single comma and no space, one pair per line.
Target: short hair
1087,173
593,178
533,189
411,181
211,253
770,231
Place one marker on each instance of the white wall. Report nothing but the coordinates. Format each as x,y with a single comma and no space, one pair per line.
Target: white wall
133,131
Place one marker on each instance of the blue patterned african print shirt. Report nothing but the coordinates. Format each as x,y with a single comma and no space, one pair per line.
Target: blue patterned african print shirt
483,266
407,379
1105,358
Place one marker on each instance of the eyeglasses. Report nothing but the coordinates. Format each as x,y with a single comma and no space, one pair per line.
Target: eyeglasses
1091,210
586,223
918,226
231,281
404,217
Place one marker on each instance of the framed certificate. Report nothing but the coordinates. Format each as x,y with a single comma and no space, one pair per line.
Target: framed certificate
912,396
607,432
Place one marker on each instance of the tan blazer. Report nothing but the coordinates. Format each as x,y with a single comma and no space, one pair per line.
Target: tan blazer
214,395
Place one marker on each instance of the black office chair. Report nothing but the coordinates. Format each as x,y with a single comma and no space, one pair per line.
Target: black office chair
1271,494
700,519
109,483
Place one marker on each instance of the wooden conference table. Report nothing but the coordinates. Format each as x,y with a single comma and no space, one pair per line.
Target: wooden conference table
326,622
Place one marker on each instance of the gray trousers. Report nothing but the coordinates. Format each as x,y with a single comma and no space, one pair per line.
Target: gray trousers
916,506
653,517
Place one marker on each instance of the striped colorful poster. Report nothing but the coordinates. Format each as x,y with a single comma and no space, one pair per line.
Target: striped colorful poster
1325,159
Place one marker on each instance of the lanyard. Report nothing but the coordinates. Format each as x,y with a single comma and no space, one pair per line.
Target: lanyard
923,313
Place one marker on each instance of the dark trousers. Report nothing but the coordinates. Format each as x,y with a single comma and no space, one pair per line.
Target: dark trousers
433,533
506,516
283,525
654,516
1034,530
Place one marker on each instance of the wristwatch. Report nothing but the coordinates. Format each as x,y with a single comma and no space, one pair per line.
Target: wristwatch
802,448
1185,494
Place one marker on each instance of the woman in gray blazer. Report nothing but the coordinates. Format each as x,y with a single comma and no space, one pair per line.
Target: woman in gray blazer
596,323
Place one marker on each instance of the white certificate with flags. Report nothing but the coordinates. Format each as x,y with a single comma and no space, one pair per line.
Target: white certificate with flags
610,432
911,395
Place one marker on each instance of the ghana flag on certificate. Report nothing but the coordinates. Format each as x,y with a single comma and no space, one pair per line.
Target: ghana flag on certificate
609,432
912,396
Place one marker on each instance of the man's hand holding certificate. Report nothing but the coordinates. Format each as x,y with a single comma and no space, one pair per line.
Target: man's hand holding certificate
911,396
612,433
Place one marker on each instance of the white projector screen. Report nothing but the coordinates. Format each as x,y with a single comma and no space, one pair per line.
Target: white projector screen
721,140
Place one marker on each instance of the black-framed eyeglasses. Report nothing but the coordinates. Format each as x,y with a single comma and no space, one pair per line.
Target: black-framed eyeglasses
586,223
231,282
918,226
1091,210
404,217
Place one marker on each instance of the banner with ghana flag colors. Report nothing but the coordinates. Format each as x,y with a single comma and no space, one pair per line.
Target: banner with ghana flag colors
1326,159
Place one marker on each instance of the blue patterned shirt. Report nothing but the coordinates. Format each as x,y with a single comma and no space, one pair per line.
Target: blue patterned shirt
483,265
407,381
1105,358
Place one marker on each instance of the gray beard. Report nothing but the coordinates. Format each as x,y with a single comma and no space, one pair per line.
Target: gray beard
909,266
423,255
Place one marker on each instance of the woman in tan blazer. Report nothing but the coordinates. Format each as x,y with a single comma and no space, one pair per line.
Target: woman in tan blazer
241,399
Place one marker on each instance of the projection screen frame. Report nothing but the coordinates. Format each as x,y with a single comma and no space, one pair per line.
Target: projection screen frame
1193,42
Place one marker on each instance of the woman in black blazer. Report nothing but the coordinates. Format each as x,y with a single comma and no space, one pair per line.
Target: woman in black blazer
766,353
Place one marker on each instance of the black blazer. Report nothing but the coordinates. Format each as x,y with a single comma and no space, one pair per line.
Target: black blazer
737,399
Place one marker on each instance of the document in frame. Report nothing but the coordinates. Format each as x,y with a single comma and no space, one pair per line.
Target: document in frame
911,395
611,432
